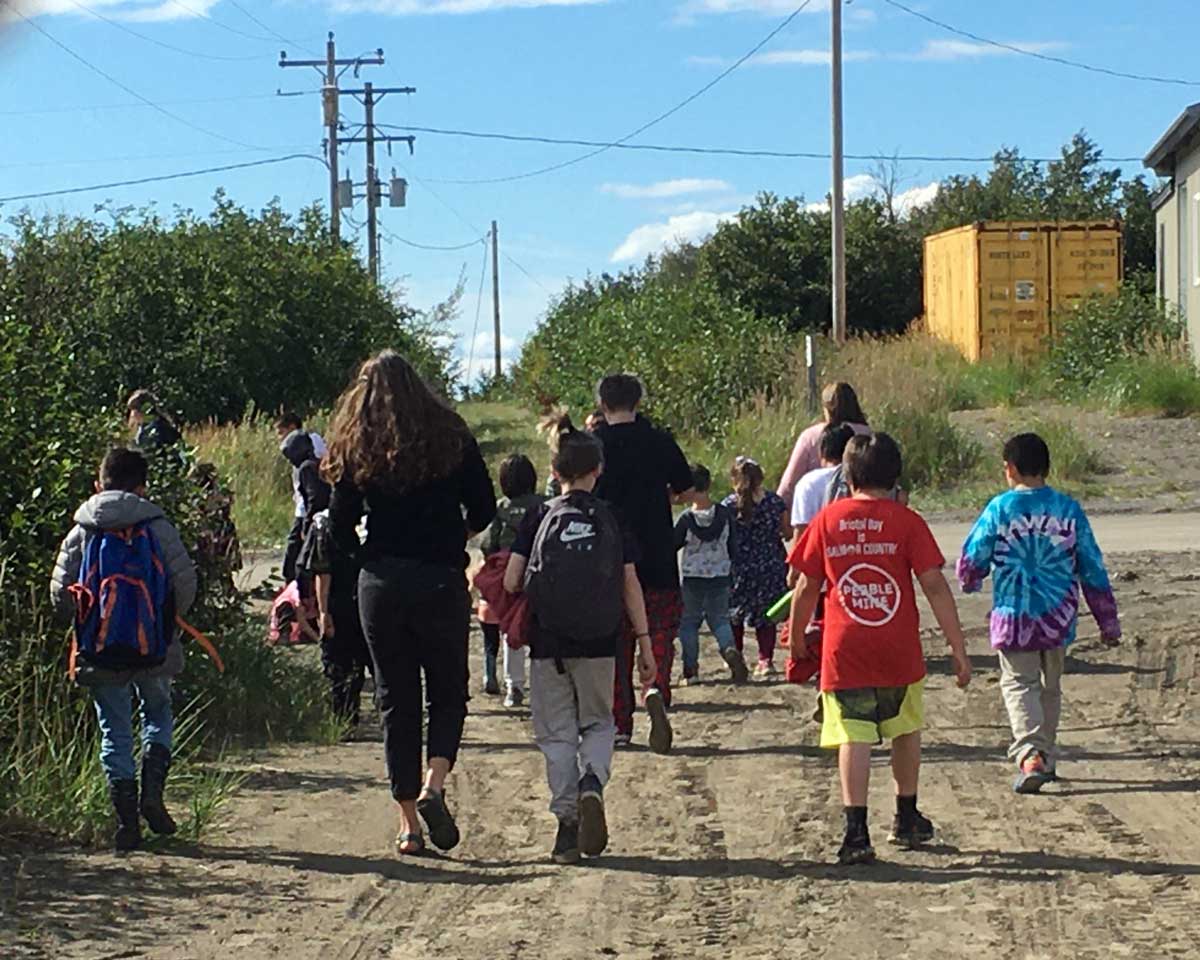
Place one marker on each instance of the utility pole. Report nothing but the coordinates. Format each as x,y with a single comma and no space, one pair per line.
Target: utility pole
372,184
342,194
837,200
496,295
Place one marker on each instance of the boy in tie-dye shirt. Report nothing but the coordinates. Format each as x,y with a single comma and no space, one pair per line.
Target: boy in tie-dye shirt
1038,546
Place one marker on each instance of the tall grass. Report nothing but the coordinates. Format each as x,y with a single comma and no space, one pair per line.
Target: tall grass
247,455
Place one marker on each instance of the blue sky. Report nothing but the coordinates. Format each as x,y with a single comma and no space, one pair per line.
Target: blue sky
589,69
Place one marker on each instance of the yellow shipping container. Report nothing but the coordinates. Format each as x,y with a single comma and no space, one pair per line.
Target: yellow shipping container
992,288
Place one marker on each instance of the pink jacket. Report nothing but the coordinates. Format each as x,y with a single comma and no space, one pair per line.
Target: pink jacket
511,610
806,456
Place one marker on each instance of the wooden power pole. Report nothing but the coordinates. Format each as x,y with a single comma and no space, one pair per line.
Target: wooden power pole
496,296
837,199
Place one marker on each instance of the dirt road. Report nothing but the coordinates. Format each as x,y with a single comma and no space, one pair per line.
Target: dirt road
721,850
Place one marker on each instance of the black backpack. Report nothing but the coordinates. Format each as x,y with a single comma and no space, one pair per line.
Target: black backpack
575,579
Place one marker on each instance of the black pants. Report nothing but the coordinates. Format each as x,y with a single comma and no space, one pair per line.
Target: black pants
291,552
416,618
345,656
491,639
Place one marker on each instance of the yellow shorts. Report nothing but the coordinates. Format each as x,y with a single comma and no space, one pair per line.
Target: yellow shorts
872,714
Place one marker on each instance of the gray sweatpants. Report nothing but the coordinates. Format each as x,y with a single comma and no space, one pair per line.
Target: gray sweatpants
1031,682
573,725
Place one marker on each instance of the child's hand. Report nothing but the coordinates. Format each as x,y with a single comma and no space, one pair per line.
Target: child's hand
962,668
647,667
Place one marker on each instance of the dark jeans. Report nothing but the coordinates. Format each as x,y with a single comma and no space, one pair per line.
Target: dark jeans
291,552
416,618
345,658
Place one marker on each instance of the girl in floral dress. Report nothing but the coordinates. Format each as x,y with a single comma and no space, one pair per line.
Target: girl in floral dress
760,560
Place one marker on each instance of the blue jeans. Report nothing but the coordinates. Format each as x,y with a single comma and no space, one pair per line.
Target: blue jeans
114,708
703,599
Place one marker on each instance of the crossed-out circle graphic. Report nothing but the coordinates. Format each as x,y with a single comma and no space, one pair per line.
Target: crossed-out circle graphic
870,595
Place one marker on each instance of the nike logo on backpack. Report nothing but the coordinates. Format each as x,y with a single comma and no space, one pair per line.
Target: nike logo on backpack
575,530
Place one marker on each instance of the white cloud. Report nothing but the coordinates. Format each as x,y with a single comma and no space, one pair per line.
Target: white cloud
863,185
411,7
948,50
777,58
480,357
909,200
665,188
137,11
654,237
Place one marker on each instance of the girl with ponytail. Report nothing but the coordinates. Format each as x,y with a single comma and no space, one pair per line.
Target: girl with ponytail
759,561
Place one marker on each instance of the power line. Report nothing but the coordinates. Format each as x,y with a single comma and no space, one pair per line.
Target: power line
162,177
270,30
76,108
535,280
478,311
143,157
1049,58
657,120
202,15
129,90
715,151
430,246
158,43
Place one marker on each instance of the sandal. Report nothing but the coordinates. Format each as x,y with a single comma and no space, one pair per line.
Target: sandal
443,831
415,839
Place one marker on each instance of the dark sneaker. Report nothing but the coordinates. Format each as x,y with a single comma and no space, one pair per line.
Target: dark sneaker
818,715
593,825
566,844
911,831
661,734
856,848
622,740
1033,775
738,670
515,698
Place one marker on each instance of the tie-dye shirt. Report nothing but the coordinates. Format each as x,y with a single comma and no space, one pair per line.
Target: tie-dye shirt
1039,548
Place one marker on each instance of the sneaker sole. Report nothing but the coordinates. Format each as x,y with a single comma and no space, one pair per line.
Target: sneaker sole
593,825
856,857
1030,783
661,734
738,668
567,859
909,842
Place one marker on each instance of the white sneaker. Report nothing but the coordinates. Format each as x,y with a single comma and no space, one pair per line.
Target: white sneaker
661,734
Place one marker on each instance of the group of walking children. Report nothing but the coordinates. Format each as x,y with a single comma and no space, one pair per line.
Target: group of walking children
590,580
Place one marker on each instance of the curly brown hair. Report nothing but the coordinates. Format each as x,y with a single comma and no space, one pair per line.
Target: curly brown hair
390,430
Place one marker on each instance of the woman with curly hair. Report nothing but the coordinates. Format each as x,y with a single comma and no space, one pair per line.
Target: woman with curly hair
400,454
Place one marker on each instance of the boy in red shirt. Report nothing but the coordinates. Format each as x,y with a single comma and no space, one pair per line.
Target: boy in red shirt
869,547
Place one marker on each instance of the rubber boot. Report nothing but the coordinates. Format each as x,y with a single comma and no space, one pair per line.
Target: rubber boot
491,683
156,761
124,795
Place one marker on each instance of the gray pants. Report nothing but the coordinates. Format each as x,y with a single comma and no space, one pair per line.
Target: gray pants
1032,686
573,725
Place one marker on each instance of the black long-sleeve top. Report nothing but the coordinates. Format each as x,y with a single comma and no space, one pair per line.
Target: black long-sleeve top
425,524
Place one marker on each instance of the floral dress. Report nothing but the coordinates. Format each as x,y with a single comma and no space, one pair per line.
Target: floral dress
759,561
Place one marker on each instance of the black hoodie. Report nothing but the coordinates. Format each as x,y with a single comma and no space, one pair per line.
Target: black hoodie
643,465
297,449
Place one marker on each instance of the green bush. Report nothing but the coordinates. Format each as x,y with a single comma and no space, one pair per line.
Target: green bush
214,313
937,454
1164,383
698,356
1105,330
1073,459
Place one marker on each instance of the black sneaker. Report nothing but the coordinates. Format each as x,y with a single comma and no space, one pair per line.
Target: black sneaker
911,831
566,844
738,671
593,826
856,847
661,734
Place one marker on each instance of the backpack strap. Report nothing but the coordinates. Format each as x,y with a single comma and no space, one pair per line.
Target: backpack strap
205,643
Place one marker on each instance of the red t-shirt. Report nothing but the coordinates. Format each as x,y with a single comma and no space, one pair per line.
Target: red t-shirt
868,552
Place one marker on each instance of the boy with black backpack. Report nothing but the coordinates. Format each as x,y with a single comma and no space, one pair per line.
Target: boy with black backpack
125,575
577,568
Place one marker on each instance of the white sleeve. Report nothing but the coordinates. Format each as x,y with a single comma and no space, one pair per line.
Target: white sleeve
319,446
798,505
